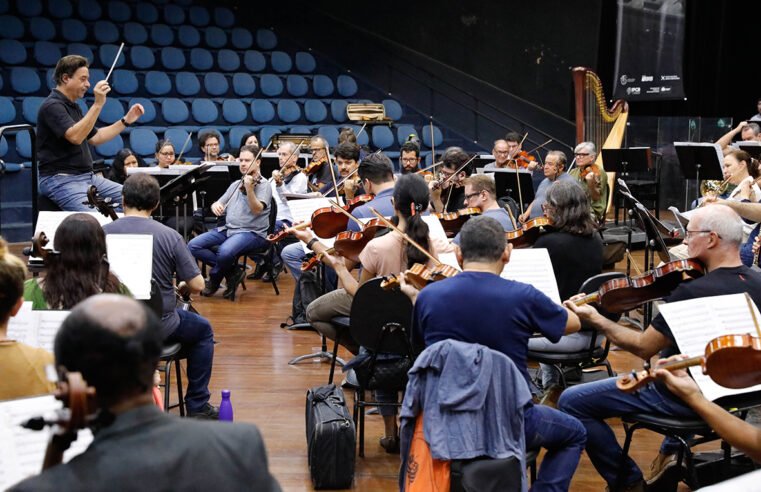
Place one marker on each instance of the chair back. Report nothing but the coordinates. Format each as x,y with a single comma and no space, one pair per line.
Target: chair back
380,319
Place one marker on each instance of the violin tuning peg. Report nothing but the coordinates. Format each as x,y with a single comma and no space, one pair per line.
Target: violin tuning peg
646,365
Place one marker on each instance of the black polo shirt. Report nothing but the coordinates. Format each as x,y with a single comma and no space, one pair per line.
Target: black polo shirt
56,154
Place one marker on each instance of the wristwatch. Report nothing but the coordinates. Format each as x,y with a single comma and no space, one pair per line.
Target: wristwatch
311,243
124,122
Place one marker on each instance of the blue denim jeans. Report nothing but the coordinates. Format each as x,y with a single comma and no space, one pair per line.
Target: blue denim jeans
196,336
228,250
563,437
69,191
592,403
292,256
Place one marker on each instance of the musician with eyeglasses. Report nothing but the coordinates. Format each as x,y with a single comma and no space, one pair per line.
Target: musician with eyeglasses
447,192
592,178
554,170
409,158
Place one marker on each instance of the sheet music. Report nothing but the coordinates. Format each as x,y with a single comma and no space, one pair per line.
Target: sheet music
48,222
23,451
302,211
533,267
696,322
436,233
131,259
717,148
47,328
177,169
36,328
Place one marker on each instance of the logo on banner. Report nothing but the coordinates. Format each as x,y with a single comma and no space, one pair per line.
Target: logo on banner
647,78
669,77
632,91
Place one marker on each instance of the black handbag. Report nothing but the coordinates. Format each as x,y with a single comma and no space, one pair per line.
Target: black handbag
386,371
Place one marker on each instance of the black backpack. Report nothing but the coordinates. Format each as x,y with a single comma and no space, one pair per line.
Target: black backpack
307,289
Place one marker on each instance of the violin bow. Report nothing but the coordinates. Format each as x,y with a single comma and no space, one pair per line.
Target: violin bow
330,166
391,226
633,263
429,167
753,313
539,146
113,65
360,131
433,143
453,175
346,213
182,150
512,218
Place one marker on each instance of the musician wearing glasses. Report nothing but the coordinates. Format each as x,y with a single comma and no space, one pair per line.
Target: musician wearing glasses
481,193
209,143
592,178
554,170
409,158
501,153
447,192
165,154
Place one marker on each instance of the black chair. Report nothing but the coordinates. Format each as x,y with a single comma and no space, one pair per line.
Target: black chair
591,356
172,354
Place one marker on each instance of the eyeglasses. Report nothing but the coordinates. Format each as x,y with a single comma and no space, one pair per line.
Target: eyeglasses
471,195
502,152
689,233
166,154
410,159
316,150
212,145
581,154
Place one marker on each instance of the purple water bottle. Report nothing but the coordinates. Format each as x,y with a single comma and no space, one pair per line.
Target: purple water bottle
226,407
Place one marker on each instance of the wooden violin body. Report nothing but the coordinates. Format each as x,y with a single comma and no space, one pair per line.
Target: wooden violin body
327,222
350,244
528,233
419,276
452,222
521,160
315,166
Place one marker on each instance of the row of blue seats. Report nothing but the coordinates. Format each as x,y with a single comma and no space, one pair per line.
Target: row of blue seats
28,81
47,54
133,33
117,11
202,111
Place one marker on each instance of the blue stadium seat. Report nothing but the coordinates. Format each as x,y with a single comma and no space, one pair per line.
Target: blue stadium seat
29,8
150,109
188,36
24,80
215,37
329,133
305,62
219,130
299,129
254,61
234,111
107,53
271,85
314,111
72,30
49,78
347,86
89,10
393,109
243,84
237,132
7,110
174,15
112,111
438,137
228,60
242,39
224,17
201,59
199,16
296,85
280,61
266,39
162,35
12,27
157,83
110,148
96,75
187,84
125,82
288,111
143,141
12,52
80,49
364,138
404,131
204,111
3,147
147,13
322,85
262,111
135,34
174,110
216,84
382,137
142,57
266,133
119,11
338,110
172,58
30,106
106,32
178,136
41,29
60,9
24,145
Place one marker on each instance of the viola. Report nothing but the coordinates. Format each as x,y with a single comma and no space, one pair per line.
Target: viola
102,205
732,361
327,221
254,170
315,166
350,244
528,233
452,222
583,172
624,294
521,160
419,276
184,301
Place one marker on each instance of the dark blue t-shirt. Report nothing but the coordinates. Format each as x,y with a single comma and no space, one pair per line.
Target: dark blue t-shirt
479,307
382,203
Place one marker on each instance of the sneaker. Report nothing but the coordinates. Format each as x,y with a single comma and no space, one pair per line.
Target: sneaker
660,465
390,444
210,289
638,486
207,412
234,278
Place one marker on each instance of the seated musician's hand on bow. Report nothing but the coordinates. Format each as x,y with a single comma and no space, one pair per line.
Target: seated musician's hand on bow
217,208
678,381
522,218
585,312
303,235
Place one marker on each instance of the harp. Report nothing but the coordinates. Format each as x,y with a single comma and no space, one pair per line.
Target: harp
595,122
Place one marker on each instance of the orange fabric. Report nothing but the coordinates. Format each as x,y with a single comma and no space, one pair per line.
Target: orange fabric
158,399
424,474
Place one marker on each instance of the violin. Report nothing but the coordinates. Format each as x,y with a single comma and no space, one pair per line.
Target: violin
732,361
102,205
584,171
624,294
184,301
452,222
528,233
521,160
328,221
79,411
348,244
38,250
254,170
419,276
315,166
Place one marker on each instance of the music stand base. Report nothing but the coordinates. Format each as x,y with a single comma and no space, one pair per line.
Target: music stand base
323,355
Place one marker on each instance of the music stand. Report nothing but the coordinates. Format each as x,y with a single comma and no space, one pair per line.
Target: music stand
752,147
699,161
179,190
506,184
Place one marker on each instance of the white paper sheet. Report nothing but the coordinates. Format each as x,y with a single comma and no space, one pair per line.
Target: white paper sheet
436,233
696,322
36,328
131,259
533,267
23,451
48,222
302,211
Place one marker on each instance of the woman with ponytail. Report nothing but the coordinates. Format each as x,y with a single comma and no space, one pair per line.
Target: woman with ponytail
22,367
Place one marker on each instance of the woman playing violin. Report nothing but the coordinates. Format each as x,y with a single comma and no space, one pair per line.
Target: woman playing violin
123,160
165,154
591,177
575,250
447,193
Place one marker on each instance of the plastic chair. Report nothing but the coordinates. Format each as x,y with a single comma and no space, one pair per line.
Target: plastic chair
135,34
237,132
403,132
296,85
271,85
438,137
338,110
12,52
150,109
204,111
266,39
8,111
241,38
29,8
187,84
119,11
224,17
188,36
125,82
322,86
233,111
142,57
162,35
112,111
347,86
174,111
228,60
174,15
216,84
201,60
267,132
24,80
243,84
254,61
305,62
60,9
178,136
280,61
198,16
89,10
172,58
262,111
24,145
330,134
13,28
382,137
157,83
147,13
314,111
288,111
393,109
105,32
110,148
143,141
41,29
72,31
215,37
107,53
